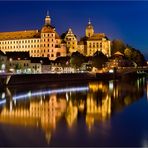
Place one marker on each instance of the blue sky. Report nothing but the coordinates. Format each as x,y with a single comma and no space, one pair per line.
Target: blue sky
125,20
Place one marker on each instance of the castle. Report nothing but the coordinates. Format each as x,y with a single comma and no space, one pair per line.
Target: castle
48,43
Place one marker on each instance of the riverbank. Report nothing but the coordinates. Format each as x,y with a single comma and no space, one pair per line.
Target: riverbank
23,79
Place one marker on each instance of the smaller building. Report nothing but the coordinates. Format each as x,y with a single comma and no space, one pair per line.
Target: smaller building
118,60
18,62
3,59
40,64
86,67
93,42
71,41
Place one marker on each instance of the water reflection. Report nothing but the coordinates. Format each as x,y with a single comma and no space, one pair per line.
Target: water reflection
45,108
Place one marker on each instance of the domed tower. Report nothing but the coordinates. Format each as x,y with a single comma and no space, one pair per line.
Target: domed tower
89,30
47,19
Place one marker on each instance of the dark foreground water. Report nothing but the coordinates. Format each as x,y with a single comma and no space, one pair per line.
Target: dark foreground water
113,113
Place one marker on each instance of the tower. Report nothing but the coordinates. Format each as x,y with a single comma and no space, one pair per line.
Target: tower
47,19
89,29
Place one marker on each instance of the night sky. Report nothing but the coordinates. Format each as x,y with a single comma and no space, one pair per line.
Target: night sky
125,20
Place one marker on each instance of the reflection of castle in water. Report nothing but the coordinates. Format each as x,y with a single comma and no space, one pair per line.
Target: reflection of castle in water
46,111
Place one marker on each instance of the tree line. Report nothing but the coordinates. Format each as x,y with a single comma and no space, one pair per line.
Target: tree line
98,60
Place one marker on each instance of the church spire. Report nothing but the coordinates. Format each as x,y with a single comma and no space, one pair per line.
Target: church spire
47,12
89,31
89,22
47,19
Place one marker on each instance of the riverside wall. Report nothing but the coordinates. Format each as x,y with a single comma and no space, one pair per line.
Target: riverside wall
22,79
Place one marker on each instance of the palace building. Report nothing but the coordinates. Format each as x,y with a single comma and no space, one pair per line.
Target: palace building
71,41
47,43
39,43
93,42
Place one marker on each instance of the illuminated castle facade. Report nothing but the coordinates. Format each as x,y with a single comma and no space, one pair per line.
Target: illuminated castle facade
47,43
93,42
40,43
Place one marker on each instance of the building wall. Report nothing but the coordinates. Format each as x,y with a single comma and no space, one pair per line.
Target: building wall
71,42
37,47
98,45
14,65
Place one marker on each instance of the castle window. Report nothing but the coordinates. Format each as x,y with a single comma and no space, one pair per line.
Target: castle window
48,55
48,34
93,44
97,45
89,44
52,55
100,45
48,45
58,54
34,41
22,41
28,41
48,40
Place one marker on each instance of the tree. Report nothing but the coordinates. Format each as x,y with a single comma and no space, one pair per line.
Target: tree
128,52
135,56
117,45
77,59
99,59
17,66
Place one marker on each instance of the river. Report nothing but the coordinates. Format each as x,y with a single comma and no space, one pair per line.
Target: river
96,113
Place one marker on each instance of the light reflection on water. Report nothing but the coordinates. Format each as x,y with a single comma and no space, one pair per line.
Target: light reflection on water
48,108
